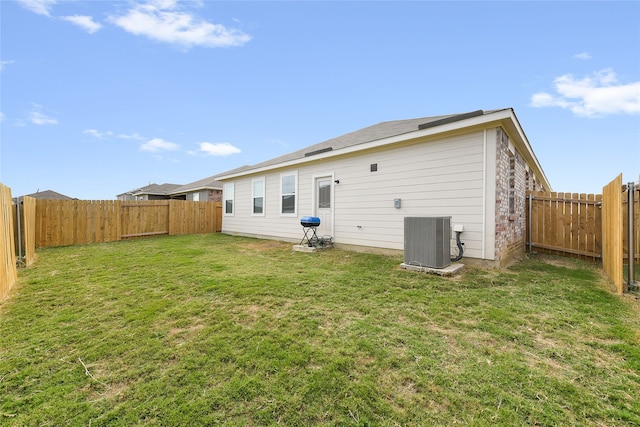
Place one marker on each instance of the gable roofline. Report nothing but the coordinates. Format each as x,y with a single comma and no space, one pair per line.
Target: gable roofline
394,132
209,183
513,127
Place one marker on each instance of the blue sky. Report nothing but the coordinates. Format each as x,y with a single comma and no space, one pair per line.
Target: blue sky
101,97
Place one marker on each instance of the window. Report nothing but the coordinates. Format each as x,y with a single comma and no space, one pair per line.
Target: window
288,186
228,198
324,194
258,196
196,197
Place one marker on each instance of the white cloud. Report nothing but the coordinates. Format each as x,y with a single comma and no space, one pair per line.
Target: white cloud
218,149
3,63
41,119
597,95
582,55
131,136
85,22
161,21
158,144
41,7
110,134
97,134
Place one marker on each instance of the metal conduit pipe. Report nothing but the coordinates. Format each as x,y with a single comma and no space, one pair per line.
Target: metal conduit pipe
632,256
460,248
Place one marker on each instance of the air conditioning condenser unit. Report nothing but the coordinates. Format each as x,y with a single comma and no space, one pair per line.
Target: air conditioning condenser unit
427,241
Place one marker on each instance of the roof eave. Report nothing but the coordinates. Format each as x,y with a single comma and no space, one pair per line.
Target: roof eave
191,190
419,133
514,128
503,117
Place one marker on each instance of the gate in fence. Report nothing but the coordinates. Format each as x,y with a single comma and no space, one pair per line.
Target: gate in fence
603,228
565,224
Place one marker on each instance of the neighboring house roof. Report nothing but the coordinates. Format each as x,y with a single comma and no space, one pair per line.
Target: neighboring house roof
391,132
153,189
49,195
209,183
160,189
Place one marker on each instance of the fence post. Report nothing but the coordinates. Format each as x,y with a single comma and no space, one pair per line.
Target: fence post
19,261
530,224
631,228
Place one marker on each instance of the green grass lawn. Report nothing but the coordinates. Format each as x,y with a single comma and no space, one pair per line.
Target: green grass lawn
214,329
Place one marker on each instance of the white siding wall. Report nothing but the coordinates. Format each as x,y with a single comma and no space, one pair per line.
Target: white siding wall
438,178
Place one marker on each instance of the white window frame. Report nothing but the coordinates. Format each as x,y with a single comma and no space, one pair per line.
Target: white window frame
255,181
295,193
229,195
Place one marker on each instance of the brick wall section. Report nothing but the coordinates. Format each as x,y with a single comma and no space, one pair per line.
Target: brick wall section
510,220
215,195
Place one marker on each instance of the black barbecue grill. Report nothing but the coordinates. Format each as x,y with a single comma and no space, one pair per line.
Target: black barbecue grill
309,225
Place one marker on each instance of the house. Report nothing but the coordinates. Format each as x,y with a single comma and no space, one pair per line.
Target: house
204,190
149,192
48,195
474,167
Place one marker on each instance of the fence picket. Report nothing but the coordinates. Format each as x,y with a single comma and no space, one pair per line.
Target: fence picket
575,223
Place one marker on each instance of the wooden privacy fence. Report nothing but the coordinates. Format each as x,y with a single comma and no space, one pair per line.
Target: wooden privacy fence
75,222
565,224
8,271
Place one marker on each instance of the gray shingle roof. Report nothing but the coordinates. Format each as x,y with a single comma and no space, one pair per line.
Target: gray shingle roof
48,195
371,133
158,189
202,184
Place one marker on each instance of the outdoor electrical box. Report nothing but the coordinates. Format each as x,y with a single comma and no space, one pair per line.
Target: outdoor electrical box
427,241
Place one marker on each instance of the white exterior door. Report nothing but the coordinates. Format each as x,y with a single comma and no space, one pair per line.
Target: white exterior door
323,205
